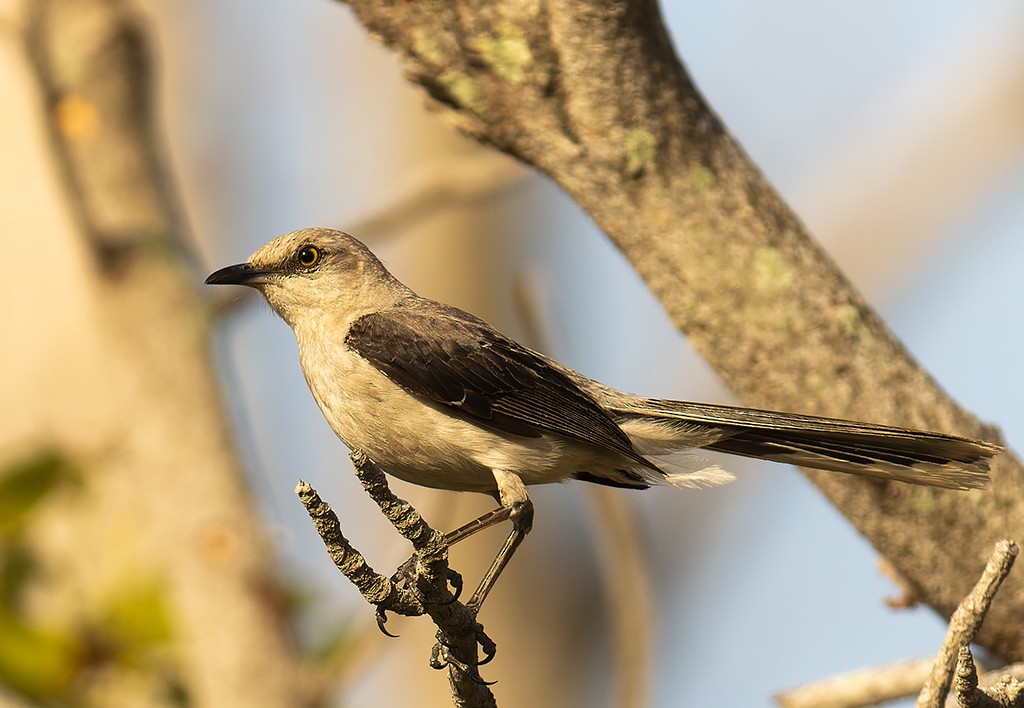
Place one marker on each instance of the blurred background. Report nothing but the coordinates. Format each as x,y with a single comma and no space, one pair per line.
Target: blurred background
895,131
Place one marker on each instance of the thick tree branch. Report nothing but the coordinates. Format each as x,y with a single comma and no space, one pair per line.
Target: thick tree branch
592,94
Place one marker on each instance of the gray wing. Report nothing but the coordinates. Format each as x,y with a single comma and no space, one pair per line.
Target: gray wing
450,357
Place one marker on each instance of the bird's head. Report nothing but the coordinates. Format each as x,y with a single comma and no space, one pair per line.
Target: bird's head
315,273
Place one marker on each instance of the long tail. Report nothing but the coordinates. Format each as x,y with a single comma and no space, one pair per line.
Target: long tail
880,451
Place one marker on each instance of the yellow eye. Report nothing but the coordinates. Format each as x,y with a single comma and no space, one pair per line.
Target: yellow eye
308,256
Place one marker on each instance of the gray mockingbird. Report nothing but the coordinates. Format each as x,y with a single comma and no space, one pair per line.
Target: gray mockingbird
439,398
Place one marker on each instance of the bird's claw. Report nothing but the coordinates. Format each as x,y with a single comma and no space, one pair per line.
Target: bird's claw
405,577
442,654
477,678
455,580
487,645
382,619
439,654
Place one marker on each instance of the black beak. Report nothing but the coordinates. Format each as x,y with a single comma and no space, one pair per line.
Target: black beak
241,274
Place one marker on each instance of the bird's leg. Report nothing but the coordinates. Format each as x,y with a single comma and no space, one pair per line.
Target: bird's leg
404,573
479,524
496,516
522,522
516,506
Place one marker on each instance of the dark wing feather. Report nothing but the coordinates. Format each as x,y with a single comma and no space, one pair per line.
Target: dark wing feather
450,357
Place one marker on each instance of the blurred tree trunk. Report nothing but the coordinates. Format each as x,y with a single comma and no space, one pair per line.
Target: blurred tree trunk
135,571
593,95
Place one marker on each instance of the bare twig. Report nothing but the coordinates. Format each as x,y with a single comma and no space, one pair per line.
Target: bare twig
422,589
458,631
965,684
965,623
1002,687
866,687
377,589
929,678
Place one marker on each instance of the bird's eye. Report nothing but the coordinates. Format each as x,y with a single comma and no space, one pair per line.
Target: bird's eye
308,256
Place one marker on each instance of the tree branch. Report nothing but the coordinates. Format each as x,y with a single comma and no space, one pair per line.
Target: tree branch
422,585
377,589
928,679
866,687
1002,687
964,626
593,95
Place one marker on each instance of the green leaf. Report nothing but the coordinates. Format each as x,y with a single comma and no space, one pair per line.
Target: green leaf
136,619
24,483
36,663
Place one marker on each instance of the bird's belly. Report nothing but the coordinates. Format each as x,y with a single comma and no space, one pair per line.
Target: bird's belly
422,443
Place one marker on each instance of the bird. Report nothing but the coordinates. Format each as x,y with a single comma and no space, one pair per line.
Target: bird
437,397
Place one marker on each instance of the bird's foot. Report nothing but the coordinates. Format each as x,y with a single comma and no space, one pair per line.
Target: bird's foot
407,574
443,655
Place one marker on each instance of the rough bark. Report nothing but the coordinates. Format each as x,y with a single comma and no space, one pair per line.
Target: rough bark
593,94
420,587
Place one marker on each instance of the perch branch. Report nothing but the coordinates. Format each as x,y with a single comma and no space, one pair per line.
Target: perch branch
420,587
377,589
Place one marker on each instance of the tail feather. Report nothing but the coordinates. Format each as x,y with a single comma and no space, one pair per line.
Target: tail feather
880,451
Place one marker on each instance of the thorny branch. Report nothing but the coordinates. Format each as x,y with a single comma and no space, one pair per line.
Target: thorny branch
420,586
